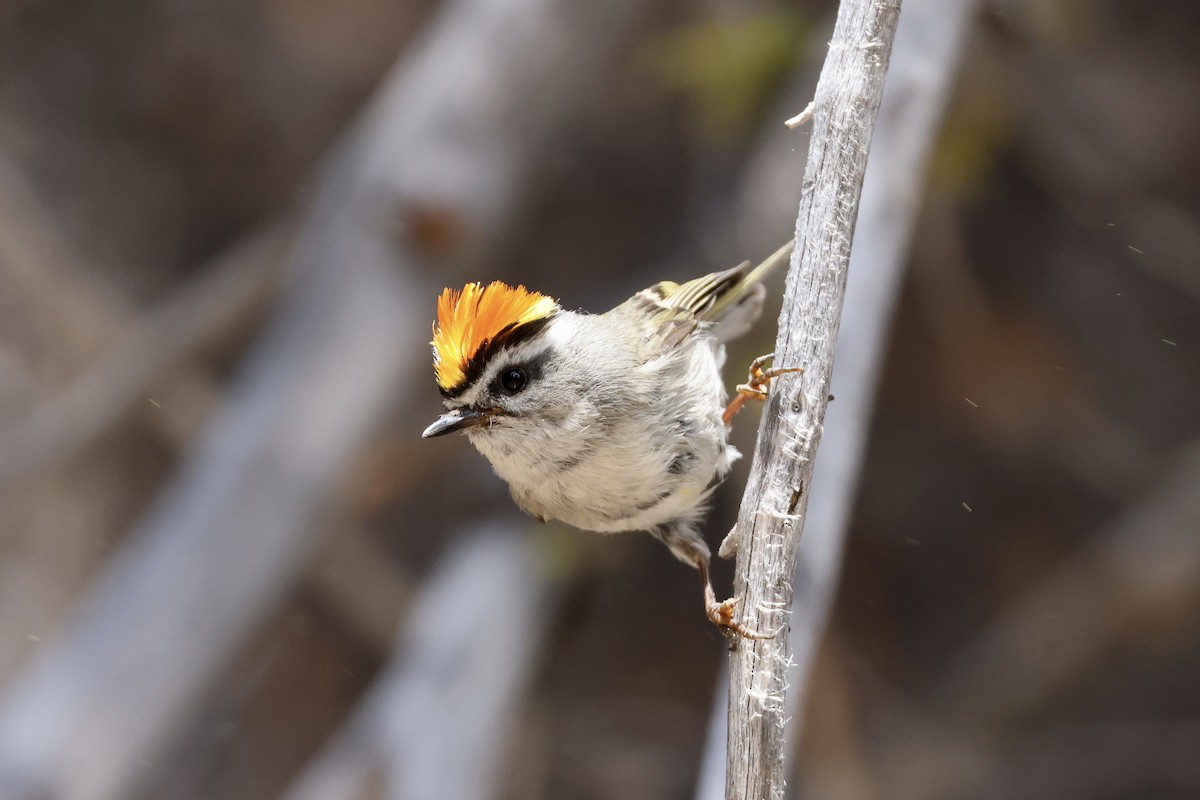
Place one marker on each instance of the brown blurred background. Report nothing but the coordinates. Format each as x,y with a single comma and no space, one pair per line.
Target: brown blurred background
1017,616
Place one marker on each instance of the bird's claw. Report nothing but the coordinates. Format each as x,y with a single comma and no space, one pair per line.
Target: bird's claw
757,381
721,615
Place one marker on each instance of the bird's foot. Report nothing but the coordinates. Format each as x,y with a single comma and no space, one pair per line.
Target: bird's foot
757,381
721,615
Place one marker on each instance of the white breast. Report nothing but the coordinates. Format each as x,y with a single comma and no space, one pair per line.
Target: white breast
631,453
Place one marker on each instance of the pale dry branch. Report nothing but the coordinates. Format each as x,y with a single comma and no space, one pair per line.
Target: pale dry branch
773,511
929,41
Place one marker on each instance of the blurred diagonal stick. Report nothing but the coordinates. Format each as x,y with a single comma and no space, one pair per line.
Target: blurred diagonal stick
39,270
1143,574
161,338
449,130
928,45
773,510
360,580
434,722
80,315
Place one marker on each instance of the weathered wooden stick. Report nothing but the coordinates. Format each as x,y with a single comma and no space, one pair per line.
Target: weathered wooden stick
928,44
929,41
773,509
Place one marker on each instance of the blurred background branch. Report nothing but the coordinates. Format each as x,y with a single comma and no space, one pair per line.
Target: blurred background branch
232,534
433,724
223,297
222,229
1140,580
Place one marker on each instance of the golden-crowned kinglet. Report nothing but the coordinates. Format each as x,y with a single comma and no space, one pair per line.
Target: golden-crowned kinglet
609,422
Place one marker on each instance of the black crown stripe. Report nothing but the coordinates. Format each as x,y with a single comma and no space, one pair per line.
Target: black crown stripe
509,336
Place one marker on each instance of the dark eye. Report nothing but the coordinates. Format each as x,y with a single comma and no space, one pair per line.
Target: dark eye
513,380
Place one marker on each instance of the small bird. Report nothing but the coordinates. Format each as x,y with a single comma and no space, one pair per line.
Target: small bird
609,422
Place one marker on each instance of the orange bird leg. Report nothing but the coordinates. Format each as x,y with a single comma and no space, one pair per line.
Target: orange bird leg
756,385
721,614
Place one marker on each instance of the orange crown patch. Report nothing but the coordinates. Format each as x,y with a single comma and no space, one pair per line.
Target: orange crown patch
479,316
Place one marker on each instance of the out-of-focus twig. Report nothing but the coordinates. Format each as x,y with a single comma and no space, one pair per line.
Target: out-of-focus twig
69,307
90,359
1143,573
355,575
447,140
58,427
83,327
434,722
773,510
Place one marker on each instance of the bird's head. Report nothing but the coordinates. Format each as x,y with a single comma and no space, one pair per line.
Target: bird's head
493,358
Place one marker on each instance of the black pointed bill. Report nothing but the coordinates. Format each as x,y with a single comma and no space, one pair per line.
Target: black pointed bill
456,420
